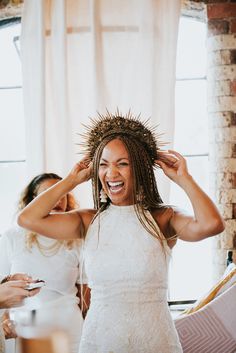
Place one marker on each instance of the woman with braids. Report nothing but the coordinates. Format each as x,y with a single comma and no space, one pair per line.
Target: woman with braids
54,261
128,235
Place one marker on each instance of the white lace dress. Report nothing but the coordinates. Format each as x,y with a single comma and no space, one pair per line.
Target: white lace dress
127,272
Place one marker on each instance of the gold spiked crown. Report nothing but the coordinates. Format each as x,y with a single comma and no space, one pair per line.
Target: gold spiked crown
117,124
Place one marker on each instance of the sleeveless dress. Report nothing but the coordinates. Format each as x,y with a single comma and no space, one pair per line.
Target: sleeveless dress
127,271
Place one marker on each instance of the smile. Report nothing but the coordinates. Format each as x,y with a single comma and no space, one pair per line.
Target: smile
115,186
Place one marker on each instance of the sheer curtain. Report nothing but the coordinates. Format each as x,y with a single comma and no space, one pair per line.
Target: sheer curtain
83,56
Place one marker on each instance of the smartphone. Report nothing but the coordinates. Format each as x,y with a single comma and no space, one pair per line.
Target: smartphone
37,284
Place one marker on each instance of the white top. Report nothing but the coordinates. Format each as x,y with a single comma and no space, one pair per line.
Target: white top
60,271
127,271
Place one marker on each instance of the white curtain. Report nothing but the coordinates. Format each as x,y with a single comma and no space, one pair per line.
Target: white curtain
83,56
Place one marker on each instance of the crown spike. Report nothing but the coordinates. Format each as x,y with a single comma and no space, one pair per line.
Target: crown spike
117,124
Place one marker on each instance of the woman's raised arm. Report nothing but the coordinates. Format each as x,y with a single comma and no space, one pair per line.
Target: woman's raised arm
206,220
36,215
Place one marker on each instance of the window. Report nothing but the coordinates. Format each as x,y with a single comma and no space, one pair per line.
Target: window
190,268
12,133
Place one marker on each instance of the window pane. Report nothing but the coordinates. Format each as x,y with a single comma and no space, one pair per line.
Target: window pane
190,270
191,128
12,132
191,49
10,66
12,182
191,264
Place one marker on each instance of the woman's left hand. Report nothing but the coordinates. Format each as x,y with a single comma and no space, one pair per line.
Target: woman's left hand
173,165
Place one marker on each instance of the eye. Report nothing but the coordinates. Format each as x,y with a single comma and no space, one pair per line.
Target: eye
102,164
123,164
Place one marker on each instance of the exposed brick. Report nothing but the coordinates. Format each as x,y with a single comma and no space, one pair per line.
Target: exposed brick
234,216
232,27
223,72
221,181
233,88
222,150
215,1
16,2
4,3
226,211
219,88
233,119
234,151
226,241
221,104
222,41
223,135
220,10
219,57
227,196
234,180
223,165
233,56
217,27
234,245
221,119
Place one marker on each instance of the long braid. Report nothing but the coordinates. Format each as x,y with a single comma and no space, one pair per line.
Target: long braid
145,191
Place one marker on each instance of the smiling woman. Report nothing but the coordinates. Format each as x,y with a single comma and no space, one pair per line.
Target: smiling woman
115,173
55,262
128,235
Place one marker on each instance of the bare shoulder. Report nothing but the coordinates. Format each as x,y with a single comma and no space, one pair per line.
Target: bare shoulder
163,218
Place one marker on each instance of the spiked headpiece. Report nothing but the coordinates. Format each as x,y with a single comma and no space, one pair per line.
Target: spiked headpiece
114,125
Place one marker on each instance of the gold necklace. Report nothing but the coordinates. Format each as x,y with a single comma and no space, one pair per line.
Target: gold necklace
49,250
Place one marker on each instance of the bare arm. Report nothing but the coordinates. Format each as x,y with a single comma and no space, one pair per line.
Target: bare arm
206,220
37,218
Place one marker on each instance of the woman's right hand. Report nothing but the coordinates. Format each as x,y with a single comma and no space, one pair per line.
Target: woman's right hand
82,171
13,293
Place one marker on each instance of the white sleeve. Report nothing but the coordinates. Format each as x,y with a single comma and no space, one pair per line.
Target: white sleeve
5,254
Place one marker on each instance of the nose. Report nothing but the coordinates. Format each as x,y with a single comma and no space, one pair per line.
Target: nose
112,171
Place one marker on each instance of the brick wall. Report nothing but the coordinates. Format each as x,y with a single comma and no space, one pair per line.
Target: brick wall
10,8
221,46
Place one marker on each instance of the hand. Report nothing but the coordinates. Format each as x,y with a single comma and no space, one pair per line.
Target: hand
8,326
173,165
12,293
21,276
82,171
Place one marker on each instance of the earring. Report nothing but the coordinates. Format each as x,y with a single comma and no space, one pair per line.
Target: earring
103,196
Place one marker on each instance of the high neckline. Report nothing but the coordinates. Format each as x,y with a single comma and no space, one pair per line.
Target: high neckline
127,208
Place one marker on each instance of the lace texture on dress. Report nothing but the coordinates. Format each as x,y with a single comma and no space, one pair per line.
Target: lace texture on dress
127,271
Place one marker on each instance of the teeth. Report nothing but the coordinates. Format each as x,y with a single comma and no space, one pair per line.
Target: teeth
115,183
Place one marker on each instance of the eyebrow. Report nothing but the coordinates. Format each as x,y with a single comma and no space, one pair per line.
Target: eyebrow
118,160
